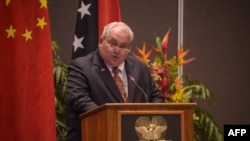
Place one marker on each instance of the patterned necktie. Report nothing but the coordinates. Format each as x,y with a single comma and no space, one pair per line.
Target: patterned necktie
120,84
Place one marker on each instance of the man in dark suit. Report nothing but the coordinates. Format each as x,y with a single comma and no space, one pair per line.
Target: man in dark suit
91,82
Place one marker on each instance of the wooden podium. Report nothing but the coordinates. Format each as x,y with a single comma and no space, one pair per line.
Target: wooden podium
116,121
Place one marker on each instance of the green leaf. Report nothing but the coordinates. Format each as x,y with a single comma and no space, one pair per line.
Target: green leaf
60,83
158,42
206,122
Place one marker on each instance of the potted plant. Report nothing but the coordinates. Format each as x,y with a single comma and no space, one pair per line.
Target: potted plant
60,82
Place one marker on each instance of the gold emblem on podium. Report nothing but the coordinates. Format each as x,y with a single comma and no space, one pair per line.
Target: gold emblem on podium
153,129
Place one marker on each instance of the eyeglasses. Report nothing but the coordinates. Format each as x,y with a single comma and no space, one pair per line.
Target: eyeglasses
114,44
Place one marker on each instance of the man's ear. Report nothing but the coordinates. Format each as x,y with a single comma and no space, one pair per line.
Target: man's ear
100,41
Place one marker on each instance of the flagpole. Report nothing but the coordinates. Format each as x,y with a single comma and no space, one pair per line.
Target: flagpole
180,30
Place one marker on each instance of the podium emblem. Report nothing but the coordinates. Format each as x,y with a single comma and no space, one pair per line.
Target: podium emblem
151,129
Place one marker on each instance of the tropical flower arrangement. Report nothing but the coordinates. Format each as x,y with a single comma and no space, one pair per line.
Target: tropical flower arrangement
165,71
178,88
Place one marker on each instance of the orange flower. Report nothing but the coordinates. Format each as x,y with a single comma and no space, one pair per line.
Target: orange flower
181,54
144,56
178,83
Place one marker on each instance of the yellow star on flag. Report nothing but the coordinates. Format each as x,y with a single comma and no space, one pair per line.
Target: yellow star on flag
43,3
41,23
11,32
7,2
27,35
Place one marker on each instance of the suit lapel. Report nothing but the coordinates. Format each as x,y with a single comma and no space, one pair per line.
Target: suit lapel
107,78
110,83
130,70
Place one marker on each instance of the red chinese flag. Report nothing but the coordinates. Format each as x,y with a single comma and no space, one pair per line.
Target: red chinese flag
27,102
108,11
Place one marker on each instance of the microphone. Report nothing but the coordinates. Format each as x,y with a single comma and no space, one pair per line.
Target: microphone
136,84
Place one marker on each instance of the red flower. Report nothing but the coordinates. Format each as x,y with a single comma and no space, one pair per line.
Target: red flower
164,45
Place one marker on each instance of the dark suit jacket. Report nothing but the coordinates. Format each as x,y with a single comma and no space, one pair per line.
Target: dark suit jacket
90,84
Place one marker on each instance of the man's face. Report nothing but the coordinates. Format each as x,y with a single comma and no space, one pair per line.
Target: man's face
115,47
